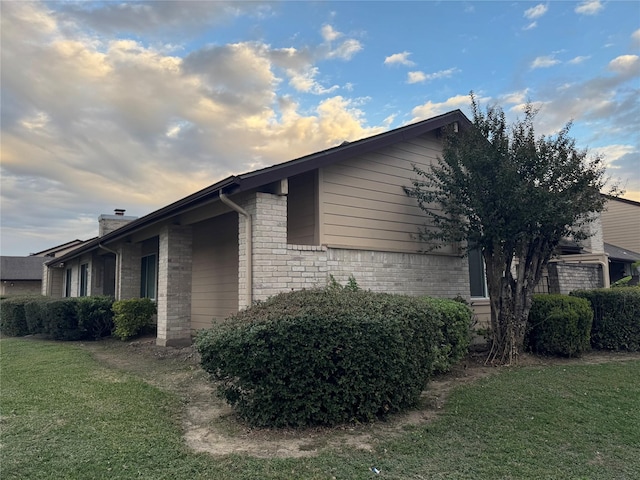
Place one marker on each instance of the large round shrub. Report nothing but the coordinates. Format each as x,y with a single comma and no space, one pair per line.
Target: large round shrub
559,325
323,357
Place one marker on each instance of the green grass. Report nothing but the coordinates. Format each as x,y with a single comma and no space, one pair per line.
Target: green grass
63,415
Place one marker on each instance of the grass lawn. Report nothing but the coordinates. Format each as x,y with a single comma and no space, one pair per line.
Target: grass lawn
64,415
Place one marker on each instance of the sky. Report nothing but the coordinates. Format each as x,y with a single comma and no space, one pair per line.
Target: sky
135,105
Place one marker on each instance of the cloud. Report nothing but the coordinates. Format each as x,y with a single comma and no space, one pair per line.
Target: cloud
627,65
329,34
635,38
156,19
399,59
420,77
91,123
579,59
589,7
544,62
536,12
431,109
346,50
531,26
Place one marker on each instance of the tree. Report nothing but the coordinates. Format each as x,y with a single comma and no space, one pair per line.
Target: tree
499,189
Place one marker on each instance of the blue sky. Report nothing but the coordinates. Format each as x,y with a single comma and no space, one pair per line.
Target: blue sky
136,104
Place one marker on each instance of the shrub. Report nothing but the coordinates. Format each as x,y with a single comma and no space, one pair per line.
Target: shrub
322,356
12,317
456,318
60,319
34,310
95,317
616,318
559,325
132,316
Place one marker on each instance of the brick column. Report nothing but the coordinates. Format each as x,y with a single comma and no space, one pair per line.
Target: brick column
174,286
128,271
269,224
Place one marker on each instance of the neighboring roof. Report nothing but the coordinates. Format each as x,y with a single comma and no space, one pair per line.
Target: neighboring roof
51,252
265,176
621,254
623,200
21,268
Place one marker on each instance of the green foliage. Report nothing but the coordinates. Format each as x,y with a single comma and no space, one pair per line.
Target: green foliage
512,195
60,319
623,282
616,320
95,317
34,310
132,316
12,317
323,356
559,325
456,318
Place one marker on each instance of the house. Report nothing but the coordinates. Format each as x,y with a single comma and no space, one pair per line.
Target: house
340,212
20,275
621,226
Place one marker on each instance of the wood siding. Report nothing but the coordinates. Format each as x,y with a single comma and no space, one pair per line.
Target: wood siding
621,225
302,209
363,203
214,294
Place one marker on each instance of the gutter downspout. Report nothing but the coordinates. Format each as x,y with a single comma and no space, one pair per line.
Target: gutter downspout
249,243
117,290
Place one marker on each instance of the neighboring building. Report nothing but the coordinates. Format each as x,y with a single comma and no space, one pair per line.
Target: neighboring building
20,275
340,212
620,262
58,250
621,228
621,223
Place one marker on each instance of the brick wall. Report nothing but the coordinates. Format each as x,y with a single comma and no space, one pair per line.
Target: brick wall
567,277
279,267
174,286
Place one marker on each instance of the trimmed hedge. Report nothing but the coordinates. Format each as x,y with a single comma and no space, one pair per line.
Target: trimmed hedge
324,356
456,318
559,325
132,316
59,318
13,321
616,321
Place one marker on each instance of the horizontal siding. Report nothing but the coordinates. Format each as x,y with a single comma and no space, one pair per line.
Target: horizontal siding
621,225
364,205
214,293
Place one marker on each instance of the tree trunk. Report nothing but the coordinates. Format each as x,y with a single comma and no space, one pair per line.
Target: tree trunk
510,300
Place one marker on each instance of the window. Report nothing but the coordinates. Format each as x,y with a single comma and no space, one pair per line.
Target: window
148,276
84,279
67,282
477,277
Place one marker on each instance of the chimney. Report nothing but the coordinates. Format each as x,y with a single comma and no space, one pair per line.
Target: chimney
109,223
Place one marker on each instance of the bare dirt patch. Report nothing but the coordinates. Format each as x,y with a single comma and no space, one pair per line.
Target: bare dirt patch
210,426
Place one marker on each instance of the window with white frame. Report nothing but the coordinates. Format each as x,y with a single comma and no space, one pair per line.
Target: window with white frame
149,276
84,280
477,276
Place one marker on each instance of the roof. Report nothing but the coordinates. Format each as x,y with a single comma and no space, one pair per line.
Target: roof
21,268
623,200
251,180
621,254
51,252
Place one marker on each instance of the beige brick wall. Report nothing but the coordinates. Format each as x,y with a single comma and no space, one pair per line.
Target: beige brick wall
174,285
279,267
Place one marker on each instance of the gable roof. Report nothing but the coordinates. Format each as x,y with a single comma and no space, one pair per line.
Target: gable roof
21,268
257,178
